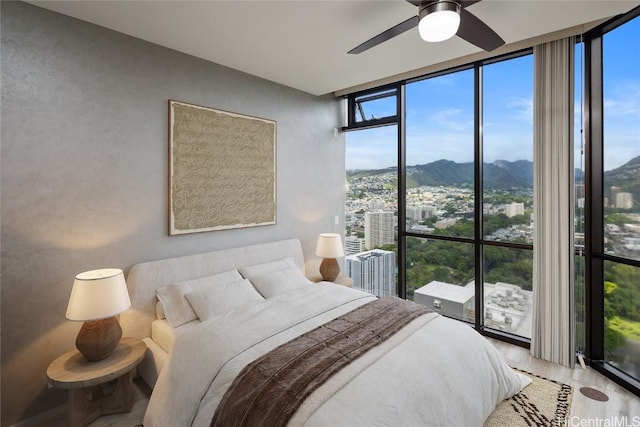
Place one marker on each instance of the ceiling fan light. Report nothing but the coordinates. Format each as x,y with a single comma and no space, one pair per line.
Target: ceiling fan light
439,21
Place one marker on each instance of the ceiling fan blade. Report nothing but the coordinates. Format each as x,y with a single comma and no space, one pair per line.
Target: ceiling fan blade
463,3
476,32
467,3
386,35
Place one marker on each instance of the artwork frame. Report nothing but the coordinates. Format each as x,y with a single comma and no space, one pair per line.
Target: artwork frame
222,169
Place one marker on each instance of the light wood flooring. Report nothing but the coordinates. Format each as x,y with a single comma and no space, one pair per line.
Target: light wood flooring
619,410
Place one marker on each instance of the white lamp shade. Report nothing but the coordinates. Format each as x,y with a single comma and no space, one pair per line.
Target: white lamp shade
98,294
439,25
329,246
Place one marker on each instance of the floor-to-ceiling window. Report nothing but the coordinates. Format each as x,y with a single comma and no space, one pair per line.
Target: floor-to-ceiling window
579,202
371,211
507,193
615,203
440,193
462,170
463,218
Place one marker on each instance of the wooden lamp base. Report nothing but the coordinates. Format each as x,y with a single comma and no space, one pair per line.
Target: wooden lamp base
329,269
98,339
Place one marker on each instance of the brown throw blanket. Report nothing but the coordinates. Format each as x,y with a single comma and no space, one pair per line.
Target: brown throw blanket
270,389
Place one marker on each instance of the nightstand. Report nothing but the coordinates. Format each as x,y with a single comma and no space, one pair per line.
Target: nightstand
97,388
340,280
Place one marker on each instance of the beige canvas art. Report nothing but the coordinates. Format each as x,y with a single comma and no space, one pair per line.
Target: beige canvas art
222,169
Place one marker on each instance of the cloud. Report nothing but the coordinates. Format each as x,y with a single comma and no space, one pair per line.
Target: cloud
522,108
453,118
622,99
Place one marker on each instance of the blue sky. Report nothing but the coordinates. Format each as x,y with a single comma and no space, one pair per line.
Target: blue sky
440,112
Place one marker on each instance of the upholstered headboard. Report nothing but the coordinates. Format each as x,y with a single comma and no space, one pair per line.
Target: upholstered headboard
144,278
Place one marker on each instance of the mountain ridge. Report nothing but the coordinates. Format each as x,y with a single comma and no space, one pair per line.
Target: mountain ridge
502,174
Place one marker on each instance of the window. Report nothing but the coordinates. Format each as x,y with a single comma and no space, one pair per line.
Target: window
507,194
372,108
459,180
613,228
427,212
371,209
440,155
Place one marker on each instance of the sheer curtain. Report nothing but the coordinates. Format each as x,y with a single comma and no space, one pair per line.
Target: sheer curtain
553,335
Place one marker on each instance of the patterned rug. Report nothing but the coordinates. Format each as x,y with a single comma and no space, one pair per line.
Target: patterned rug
542,403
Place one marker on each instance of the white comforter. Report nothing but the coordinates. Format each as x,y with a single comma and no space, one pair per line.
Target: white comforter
435,372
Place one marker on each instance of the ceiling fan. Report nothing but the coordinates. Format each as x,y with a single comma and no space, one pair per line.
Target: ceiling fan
438,20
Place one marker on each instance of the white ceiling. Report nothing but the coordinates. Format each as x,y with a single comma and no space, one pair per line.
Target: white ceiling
303,44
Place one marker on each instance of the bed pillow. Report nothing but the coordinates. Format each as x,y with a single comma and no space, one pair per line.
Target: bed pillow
279,282
176,307
160,311
252,271
220,299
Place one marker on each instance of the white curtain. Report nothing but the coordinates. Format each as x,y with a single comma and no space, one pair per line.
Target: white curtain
553,336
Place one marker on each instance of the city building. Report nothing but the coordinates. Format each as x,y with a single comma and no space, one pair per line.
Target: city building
445,223
514,209
354,245
507,307
623,200
614,193
415,213
451,300
419,213
373,271
378,229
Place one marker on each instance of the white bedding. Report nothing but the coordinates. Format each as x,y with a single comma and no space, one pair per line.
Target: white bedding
439,373
165,335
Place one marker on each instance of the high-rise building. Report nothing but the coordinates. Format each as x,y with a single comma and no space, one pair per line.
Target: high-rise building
514,209
373,271
623,200
614,192
415,213
354,245
378,229
418,213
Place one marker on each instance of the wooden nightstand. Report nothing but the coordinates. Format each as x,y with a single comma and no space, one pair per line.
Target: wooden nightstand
340,280
97,388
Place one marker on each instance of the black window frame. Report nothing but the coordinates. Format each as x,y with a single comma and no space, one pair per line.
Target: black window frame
477,240
595,255
354,106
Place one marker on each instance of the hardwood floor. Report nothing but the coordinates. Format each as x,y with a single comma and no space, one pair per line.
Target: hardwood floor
622,408
619,410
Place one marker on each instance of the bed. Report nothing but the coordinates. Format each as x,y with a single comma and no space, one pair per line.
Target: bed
215,322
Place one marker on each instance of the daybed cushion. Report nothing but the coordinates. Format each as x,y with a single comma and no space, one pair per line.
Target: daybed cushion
220,299
176,307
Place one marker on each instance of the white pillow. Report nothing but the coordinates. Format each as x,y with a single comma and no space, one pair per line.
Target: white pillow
280,281
176,307
219,299
255,270
160,311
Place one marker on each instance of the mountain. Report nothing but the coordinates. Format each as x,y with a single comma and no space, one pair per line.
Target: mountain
501,174
627,177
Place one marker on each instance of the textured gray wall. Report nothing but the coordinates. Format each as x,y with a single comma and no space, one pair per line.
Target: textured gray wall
84,173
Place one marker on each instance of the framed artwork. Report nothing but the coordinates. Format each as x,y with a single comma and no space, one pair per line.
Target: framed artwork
222,169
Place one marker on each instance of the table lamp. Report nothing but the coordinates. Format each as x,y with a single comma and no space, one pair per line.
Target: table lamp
96,298
329,248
